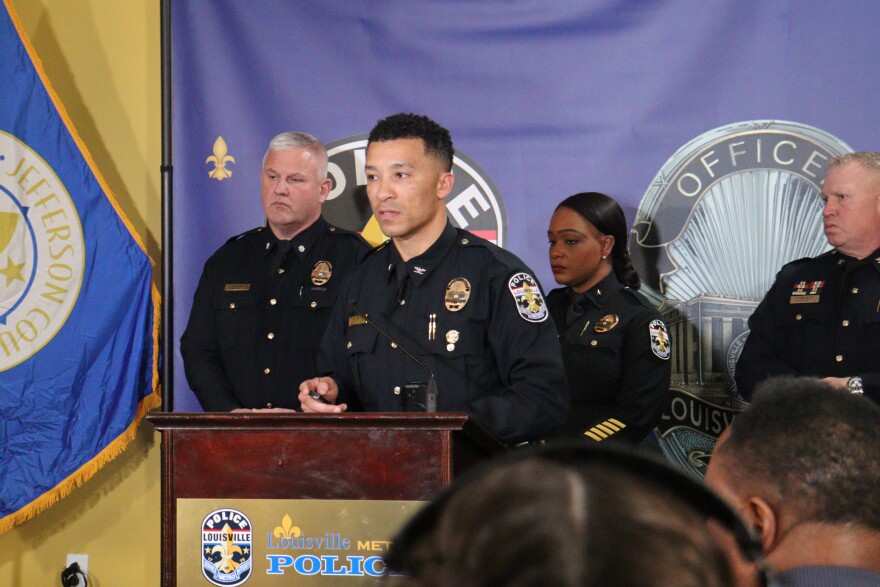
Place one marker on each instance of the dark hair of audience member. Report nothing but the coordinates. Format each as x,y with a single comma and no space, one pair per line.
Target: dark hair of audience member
537,523
811,447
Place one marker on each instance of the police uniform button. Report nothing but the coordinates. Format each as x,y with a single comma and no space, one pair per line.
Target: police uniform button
332,229
839,358
280,270
269,405
594,342
394,345
799,317
402,302
267,370
301,249
273,301
314,304
854,290
464,241
396,390
348,345
845,323
270,336
231,306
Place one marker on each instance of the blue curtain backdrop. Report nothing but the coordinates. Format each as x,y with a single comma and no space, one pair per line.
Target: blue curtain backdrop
548,98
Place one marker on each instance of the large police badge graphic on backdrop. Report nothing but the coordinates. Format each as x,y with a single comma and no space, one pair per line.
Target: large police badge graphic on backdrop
474,204
720,218
227,545
42,255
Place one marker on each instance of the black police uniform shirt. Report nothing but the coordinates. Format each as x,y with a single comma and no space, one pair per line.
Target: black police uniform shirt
616,352
472,313
820,318
259,312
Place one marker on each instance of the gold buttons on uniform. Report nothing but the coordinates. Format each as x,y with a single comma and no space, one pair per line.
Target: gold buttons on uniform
402,302
273,301
799,317
314,304
231,306
397,390
267,370
270,336
301,249
464,241
348,345
593,343
269,405
280,270
839,358
854,290
394,345
845,323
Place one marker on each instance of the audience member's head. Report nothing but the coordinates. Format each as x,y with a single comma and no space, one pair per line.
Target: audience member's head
573,518
802,466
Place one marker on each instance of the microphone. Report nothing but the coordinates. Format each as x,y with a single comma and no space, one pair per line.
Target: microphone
418,397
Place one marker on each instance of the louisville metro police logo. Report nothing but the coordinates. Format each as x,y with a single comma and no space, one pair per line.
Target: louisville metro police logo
227,544
720,218
473,205
527,295
41,252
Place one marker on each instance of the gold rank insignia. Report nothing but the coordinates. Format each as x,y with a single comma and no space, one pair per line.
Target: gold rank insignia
606,429
806,292
356,320
322,272
237,287
606,323
660,344
458,292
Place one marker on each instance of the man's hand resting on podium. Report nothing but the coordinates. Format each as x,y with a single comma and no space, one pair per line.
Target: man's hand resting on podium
319,395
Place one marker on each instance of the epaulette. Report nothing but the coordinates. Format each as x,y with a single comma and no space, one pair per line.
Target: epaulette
246,233
824,255
638,296
469,239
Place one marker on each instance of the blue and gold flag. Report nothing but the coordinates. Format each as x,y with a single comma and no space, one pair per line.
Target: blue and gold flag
78,324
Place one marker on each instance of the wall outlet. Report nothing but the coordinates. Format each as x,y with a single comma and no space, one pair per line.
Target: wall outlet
81,559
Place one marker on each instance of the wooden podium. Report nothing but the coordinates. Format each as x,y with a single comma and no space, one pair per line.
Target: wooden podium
309,456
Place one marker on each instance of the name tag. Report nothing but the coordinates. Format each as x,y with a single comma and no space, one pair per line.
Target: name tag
237,287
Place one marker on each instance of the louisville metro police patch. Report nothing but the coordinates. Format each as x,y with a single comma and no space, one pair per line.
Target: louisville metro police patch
660,344
227,541
528,298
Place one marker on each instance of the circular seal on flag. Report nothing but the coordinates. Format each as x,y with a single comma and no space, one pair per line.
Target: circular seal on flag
227,545
527,295
701,246
42,256
475,203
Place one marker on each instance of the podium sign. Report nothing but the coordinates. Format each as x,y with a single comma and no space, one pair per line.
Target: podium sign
271,542
219,469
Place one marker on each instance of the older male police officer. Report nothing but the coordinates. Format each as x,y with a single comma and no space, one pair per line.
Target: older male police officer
822,316
265,296
471,311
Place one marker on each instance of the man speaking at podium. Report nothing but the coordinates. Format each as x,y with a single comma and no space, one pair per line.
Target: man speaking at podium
436,303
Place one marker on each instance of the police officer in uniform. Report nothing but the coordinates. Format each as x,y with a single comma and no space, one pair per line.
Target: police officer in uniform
470,311
264,297
614,345
821,317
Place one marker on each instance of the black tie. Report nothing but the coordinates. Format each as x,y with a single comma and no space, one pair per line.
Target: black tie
280,256
401,273
577,308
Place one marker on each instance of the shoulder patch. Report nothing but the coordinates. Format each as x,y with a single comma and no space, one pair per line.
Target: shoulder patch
527,296
660,343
